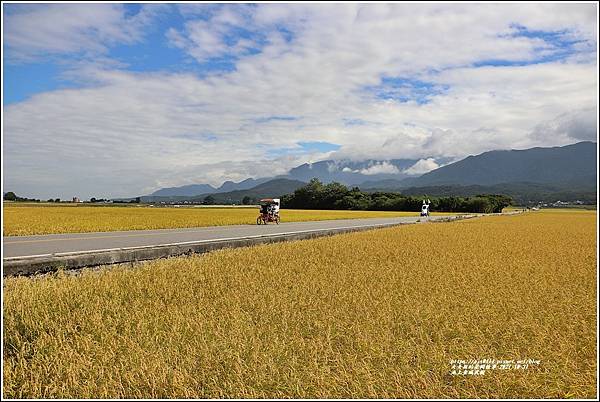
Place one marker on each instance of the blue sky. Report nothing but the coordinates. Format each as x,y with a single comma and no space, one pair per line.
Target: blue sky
401,89
208,92
26,78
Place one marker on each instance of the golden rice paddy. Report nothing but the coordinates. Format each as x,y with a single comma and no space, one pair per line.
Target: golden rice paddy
377,314
22,220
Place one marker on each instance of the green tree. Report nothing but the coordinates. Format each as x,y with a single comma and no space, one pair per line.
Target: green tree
246,200
308,196
10,196
331,193
209,200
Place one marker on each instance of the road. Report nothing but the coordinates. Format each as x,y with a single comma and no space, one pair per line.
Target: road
75,243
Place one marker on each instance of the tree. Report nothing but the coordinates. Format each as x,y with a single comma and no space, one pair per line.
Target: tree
209,200
331,193
308,197
57,200
246,200
10,196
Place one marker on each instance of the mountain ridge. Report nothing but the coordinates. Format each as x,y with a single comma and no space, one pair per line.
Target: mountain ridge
270,189
574,163
554,168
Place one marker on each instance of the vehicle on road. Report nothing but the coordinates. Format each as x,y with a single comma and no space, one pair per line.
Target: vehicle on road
269,211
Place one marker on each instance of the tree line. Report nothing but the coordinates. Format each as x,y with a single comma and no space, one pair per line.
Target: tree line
10,196
316,195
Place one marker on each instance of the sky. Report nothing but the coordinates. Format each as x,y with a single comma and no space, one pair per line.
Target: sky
116,100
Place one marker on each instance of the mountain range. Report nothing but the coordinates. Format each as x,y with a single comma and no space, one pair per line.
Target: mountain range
269,189
524,174
343,171
196,189
353,173
567,165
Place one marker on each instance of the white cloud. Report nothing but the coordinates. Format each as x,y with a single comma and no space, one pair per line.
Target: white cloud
421,166
214,36
578,125
380,168
58,29
134,132
332,167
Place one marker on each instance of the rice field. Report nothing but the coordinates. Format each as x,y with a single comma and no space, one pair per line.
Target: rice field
22,220
377,314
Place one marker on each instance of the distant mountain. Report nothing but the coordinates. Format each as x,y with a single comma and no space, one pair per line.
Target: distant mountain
570,165
271,189
353,172
568,171
187,191
344,171
387,184
197,189
243,185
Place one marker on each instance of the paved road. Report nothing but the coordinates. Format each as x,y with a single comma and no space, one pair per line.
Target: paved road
64,244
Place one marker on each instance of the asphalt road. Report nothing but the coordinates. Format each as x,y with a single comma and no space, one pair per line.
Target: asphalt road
64,244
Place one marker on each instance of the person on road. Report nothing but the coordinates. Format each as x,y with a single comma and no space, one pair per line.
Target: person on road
425,208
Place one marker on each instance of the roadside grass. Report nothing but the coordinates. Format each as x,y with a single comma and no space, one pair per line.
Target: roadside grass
375,314
37,220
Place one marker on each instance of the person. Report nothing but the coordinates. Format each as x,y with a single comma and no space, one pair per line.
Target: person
425,208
